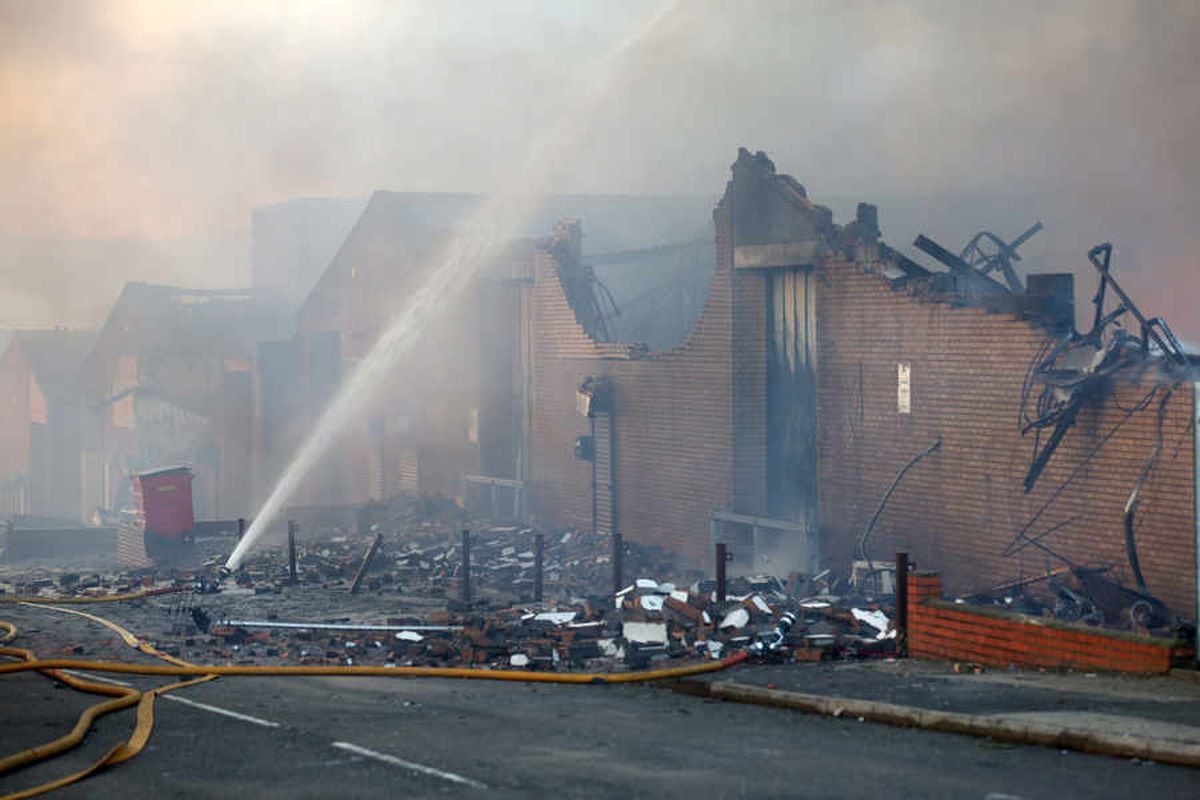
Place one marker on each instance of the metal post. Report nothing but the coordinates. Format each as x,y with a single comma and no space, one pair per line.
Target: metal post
292,527
539,557
241,528
464,580
722,557
618,553
901,604
366,562
753,544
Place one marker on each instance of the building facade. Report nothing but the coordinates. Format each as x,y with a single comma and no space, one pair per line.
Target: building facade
822,364
40,427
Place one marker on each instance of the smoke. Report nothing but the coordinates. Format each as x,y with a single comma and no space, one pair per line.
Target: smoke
482,239
161,125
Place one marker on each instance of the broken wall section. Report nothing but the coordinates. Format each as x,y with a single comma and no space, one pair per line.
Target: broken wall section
671,418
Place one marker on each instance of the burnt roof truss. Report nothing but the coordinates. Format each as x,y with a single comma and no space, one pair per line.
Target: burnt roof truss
1077,368
987,253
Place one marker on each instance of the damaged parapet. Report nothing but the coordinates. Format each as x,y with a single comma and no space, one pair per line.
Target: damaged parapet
777,225
591,301
768,231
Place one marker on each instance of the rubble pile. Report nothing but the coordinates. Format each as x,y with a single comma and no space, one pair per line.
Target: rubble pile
49,582
411,610
426,561
645,623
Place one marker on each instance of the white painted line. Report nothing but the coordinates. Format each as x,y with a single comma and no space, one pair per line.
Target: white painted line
266,723
78,673
400,762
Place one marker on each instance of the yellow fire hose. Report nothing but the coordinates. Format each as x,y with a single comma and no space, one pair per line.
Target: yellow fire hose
198,673
127,637
85,599
124,698
120,668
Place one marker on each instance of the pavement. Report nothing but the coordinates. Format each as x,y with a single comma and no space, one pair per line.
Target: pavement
1164,708
361,737
432,738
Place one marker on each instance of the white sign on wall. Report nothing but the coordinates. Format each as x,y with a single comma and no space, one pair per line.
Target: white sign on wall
903,389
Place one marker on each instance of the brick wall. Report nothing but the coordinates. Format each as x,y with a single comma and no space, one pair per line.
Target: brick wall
691,433
941,630
959,510
434,387
673,414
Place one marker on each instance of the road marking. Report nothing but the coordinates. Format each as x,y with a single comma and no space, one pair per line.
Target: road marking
266,723
400,762
78,673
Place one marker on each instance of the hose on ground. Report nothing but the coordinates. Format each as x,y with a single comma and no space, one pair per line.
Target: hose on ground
124,697
99,598
248,670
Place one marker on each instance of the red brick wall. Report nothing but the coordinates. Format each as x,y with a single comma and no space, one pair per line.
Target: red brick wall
691,435
672,418
957,511
941,630
436,383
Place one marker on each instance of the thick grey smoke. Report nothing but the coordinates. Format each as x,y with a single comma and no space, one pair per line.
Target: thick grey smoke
135,137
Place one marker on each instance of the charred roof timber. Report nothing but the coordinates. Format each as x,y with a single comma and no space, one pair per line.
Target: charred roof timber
985,254
586,294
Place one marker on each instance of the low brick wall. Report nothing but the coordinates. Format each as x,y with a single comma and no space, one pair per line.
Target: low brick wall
59,543
942,630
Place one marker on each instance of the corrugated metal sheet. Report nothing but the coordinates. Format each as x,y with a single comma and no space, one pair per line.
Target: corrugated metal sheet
374,477
407,472
14,498
606,517
791,394
131,546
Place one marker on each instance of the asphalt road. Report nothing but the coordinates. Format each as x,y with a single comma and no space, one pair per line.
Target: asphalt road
359,737
364,737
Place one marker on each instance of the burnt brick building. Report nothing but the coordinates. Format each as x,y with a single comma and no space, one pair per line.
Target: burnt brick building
454,420
167,381
822,364
828,400
41,423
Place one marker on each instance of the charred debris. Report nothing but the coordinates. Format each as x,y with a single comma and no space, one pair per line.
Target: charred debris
462,588
432,589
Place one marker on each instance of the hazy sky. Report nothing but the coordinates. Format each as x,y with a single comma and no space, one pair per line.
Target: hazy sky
135,137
